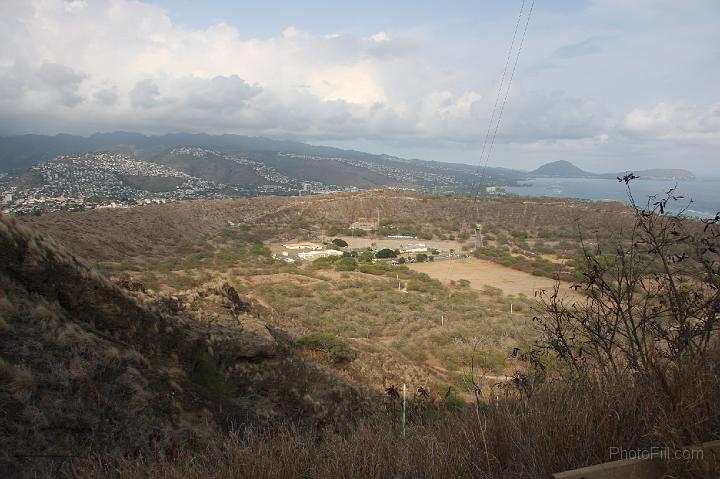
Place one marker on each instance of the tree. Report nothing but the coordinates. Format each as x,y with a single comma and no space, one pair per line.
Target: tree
385,253
340,242
421,257
652,297
366,256
346,263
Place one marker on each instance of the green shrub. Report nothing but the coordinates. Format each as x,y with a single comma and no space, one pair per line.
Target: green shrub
326,262
150,281
346,263
492,291
377,269
208,374
507,261
451,397
339,242
336,349
385,253
366,256
259,249
544,233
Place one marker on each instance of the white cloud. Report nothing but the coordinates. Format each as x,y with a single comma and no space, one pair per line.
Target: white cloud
74,5
76,66
674,122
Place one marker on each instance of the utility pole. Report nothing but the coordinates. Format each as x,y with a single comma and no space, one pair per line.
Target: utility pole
404,400
378,218
478,236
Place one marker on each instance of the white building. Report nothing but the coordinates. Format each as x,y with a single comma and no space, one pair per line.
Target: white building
414,248
313,255
313,246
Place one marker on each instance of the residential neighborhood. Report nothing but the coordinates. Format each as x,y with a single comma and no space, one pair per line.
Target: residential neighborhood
101,180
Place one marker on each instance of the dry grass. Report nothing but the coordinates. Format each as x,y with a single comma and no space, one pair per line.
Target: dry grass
19,380
563,426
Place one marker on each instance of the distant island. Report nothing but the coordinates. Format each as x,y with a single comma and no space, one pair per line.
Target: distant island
565,169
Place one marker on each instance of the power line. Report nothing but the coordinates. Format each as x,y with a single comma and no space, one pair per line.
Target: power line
502,81
507,92
484,162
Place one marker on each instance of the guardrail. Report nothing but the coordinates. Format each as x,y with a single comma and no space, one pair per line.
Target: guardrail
651,467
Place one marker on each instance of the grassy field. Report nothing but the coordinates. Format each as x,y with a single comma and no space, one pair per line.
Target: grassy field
405,325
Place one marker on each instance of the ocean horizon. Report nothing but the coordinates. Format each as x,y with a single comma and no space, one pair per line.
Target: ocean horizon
704,193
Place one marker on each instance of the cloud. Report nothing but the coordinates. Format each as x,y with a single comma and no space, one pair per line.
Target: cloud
61,82
145,94
74,5
107,96
674,122
76,66
586,47
220,93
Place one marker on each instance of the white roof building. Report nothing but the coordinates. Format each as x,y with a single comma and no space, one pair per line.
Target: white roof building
312,255
414,248
306,245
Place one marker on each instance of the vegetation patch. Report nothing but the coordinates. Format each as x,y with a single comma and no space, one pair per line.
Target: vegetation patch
336,349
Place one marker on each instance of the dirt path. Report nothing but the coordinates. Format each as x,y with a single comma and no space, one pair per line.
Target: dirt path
482,273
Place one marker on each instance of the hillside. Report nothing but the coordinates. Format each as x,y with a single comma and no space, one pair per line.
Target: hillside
565,169
165,229
83,361
560,169
254,161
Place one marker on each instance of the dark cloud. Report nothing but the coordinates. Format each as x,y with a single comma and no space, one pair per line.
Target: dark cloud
107,96
63,82
226,93
146,94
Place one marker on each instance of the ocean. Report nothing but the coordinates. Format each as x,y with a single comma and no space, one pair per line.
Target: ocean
704,193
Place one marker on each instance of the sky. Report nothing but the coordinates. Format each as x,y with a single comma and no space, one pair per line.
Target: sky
610,85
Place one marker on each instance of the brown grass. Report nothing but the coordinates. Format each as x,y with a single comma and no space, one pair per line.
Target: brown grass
19,380
562,426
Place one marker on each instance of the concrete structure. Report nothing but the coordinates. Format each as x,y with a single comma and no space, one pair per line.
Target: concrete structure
306,245
647,464
313,255
414,248
478,236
